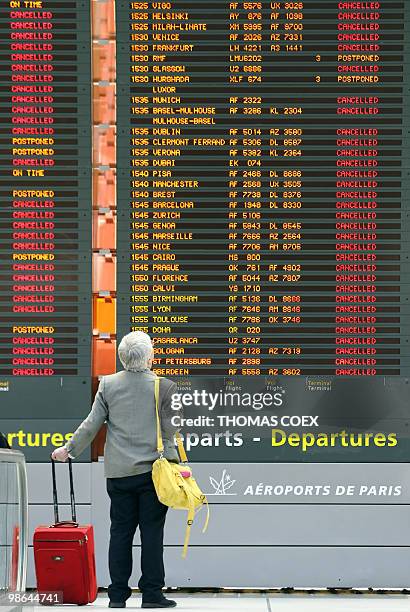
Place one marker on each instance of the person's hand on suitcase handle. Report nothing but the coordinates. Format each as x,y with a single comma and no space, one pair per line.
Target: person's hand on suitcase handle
60,454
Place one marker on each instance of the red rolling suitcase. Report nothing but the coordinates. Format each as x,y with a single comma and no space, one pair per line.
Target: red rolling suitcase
64,554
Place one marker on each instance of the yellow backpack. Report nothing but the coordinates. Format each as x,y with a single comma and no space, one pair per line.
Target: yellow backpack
173,489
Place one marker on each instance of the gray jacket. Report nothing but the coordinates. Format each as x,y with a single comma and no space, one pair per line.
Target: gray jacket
126,401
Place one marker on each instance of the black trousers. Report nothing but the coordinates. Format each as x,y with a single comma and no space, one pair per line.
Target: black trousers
134,502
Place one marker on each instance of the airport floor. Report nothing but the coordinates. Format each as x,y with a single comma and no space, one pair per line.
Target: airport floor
259,602
274,602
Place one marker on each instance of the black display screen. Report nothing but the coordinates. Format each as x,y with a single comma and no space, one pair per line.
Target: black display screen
45,216
262,178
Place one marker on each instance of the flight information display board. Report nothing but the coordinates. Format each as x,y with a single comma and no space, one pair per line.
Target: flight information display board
45,227
263,213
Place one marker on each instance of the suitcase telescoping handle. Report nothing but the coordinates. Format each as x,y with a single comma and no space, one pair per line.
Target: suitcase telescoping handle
57,522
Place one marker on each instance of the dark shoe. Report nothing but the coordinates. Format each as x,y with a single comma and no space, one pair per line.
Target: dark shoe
162,603
116,604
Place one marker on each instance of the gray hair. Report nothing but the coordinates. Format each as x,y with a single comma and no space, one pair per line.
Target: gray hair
135,350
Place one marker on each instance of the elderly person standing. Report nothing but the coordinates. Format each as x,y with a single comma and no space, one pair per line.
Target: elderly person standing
125,400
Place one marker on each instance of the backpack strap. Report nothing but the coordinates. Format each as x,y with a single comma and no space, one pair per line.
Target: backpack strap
191,516
190,520
205,527
160,443
204,501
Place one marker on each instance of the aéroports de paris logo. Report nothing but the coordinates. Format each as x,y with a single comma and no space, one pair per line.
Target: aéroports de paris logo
222,486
